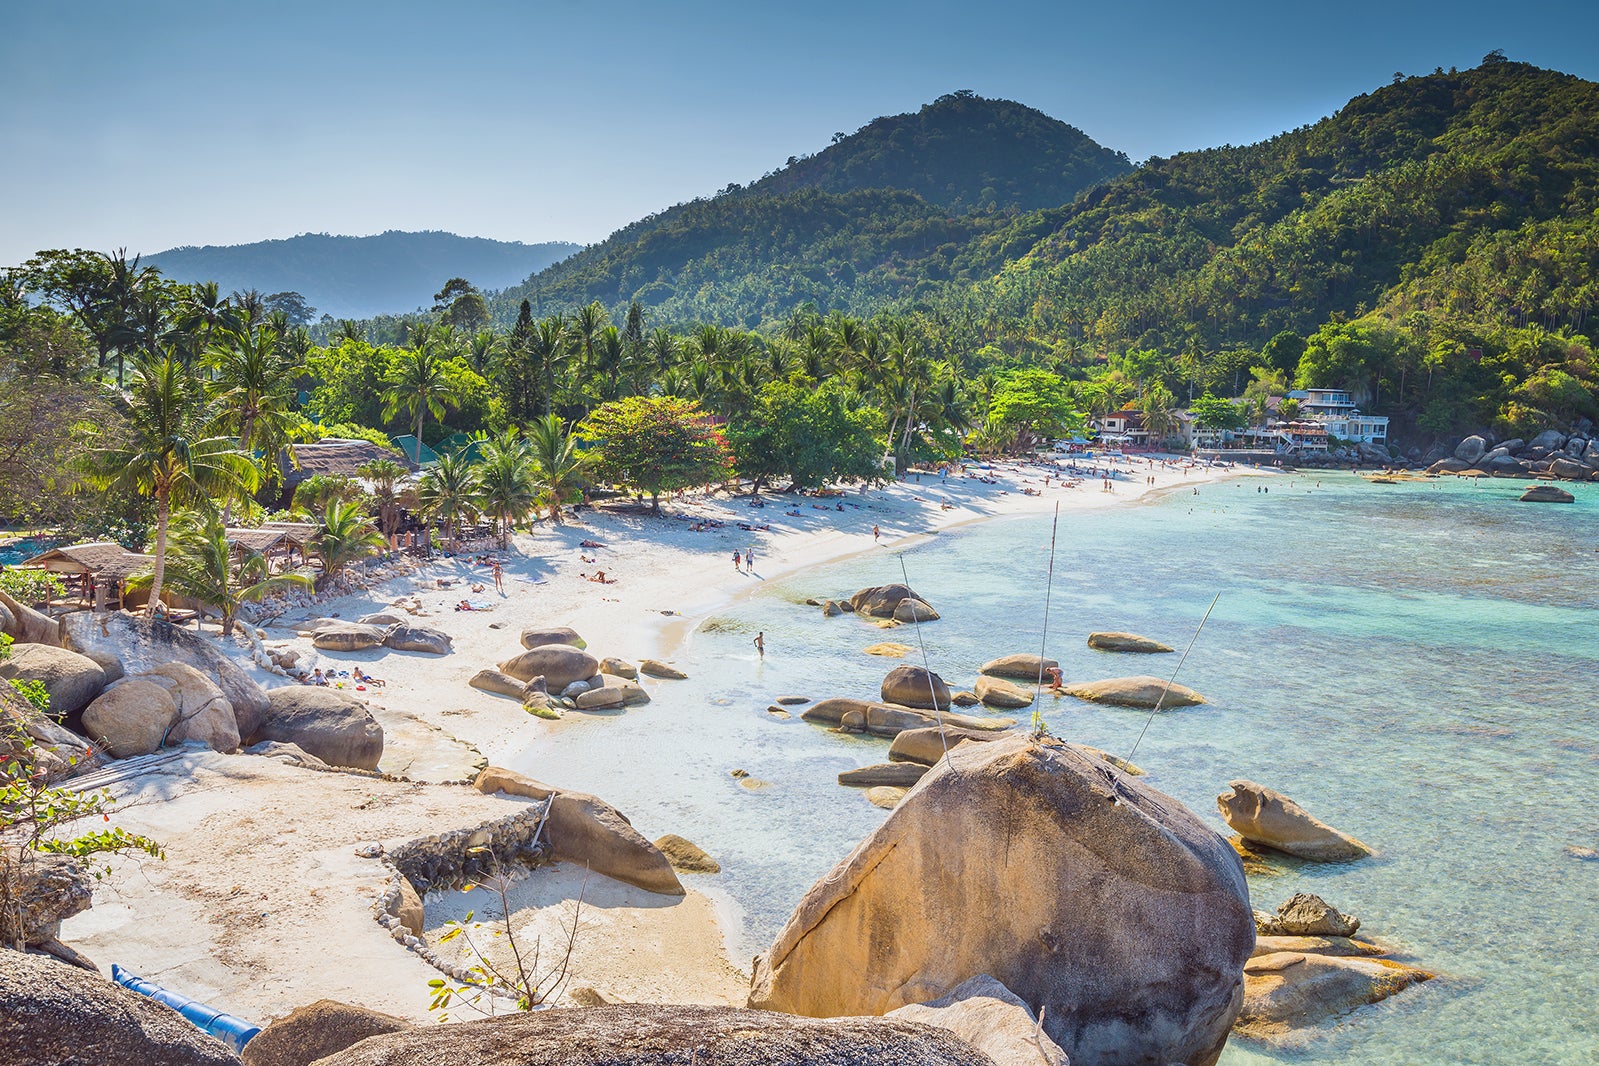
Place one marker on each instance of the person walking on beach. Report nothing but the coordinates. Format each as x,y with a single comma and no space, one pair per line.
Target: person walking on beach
738,560
877,534
760,643
499,578
749,560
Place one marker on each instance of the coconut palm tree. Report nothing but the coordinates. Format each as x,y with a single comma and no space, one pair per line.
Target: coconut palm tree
166,454
549,348
418,385
557,464
384,475
448,489
507,487
346,536
201,568
254,391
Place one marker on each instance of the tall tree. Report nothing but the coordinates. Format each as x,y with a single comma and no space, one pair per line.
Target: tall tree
201,568
657,444
254,390
417,385
507,482
557,464
449,489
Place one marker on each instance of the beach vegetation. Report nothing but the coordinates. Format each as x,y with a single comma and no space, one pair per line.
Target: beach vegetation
346,536
31,586
507,481
809,436
448,491
558,464
200,566
387,478
312,496
656,444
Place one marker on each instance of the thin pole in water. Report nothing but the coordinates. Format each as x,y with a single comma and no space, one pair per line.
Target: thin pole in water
1116,775
1043,640
932,693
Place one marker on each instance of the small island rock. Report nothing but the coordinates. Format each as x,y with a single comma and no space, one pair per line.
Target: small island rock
1142,691
1130,642
1266,817
915,686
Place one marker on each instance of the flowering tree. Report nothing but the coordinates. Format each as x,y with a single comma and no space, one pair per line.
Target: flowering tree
656,444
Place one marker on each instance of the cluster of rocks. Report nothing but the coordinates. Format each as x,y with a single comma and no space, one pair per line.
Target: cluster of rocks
555,669
883,605
1573,457
383,630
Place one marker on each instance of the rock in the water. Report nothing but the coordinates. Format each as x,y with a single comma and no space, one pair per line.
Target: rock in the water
687,856
498,682
963,698
1288,990
72,680
832,711
915,686
1547,494
911,609
618,668
586,830
348,636
1021,667
881,601
885,796
419,638
1142,691
1266,817
330,724
992,1019
60,1015
830,609
997,692
1125,642
792,701
538,638
323,1028
895,774
652,1035
561,664
124,644
1306,914
1314,945
600,699
131,717
1121,914
889,650
204,715
890,720
656,668
927,744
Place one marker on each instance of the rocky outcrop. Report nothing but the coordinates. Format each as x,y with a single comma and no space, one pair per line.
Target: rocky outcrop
890,719
651,1035
991,1018
47,889
1547,494
1142,691
560,665
131,717
1020,667
499,683
832,711
997,692
665,671
927,745
72,680
323,1028
586,830
1574,457
1471,449
1306,914
57,750
348,636
1264,816
687,856
204,714
538,638
1289,990
888,650
915,686
332,725
1120,913
881,601
614,667
911,609
1339,946
25,625
60,1015
893,774
384,619
1129,642
422,639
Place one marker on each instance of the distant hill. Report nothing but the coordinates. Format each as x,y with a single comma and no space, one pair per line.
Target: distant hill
876,217
359,277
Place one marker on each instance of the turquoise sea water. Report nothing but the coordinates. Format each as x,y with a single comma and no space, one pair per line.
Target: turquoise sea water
1414,663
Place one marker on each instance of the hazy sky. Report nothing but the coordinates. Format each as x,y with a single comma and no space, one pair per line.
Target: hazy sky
152,124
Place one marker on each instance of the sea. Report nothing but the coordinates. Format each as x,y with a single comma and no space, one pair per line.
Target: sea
1414,663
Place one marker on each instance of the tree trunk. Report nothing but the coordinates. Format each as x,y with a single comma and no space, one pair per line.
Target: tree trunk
163,511
655,502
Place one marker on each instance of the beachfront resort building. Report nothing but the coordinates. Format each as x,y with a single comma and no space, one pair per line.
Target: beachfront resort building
1334,409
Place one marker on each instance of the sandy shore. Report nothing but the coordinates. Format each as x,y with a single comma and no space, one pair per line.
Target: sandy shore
261,905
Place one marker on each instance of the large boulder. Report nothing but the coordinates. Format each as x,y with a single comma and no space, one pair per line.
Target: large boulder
881,601
665,671
125,644
611,666
832,711
348,636
204,714
991,1018
46,889
1507,466
687,856
1021,667
1547,494
59,1015
323,1028
1471,449
1264,816
586,830
893,774
1570,469
56,749
1549,440
330,724
131,717
1288,990
72,680
538,638
498,682
997,692
1142,691
1306,914
600,699
1118,913
911,609
560,664
1131,642
653,1035
916,686
928,744
27,626
418,638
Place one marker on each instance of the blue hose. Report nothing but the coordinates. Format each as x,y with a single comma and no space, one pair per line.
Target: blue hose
234,1032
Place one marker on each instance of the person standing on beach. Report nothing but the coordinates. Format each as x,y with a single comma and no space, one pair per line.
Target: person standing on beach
877,534
760,643
749,560
499,578
738,560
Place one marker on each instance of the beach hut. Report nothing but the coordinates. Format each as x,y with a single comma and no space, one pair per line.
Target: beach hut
336,457
95,572
277,543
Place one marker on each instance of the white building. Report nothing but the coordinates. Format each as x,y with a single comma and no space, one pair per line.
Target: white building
1334,410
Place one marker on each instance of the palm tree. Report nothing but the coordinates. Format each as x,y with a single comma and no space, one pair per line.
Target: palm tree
346,535
384,475
586,325
166,455
201,568
507,488
549,347
419,385
557,464
1158,408
254,390
449,489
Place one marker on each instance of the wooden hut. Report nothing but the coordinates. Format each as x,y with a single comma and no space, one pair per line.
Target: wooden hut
96,573
279,543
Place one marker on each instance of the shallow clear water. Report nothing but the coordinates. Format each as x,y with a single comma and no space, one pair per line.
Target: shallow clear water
1414,663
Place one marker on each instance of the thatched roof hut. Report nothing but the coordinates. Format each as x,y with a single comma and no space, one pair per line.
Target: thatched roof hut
90,569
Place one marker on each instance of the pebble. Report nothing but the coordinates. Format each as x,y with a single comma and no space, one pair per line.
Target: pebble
369,850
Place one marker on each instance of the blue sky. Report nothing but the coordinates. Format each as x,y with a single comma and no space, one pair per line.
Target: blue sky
152,124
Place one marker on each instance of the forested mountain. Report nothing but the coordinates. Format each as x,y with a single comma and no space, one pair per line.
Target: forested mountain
878,216
359,277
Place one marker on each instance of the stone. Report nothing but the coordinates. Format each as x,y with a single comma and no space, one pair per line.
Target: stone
1288,990
1142,691
927,745
542,705
408,908
47,890
895,774
27,626
1006,695
538,638
991,1018
885,796
61,1015
1129,642
1120,913
831,609
852,722
57,750
125,644
963,698
1264,816
72,680
1314,945
1550,439
561,664
687,856
889,650
204,714
422,639
325,722
915,686
656,668
777,712
914,610
1307,914
574,690
655,1035
832,711
326,1027
600,699
881,601
1507,466
1471,449
498,682
131,717
633,693
792,701
1570,469
587,831
619,668
889,720
382,618
348,636
293,753
1546,494
1021,667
